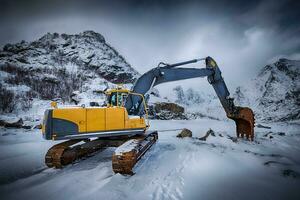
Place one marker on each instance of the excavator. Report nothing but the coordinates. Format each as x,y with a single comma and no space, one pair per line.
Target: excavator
123,122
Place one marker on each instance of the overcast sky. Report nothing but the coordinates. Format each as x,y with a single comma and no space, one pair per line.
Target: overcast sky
242,36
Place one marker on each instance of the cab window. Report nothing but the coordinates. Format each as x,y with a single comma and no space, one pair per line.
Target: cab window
117,99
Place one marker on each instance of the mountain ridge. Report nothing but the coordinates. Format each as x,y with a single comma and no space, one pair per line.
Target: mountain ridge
68,68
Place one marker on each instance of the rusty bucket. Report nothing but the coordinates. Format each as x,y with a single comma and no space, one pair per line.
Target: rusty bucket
244,120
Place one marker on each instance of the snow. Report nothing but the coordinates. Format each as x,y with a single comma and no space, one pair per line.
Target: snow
127,147
173,169
3,75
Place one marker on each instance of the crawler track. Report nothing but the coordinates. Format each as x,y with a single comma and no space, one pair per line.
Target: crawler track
123,160
67,152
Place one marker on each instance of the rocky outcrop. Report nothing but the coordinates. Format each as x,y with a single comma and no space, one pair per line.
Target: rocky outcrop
166,111
87,50
57,66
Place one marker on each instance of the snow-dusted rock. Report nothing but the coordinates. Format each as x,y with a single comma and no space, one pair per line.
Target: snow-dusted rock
11,122
166,111
185,133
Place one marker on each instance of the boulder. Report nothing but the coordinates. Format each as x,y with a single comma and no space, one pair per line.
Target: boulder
166,111
185,133
12,123
208,133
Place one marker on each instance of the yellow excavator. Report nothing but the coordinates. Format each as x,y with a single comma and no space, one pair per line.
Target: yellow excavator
123,122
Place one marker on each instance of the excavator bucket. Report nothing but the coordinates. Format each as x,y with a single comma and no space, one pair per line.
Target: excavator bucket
244,120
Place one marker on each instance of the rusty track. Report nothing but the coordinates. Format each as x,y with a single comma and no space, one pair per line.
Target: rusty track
67,152
128,154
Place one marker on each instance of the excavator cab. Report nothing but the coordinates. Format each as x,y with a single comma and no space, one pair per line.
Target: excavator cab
117,96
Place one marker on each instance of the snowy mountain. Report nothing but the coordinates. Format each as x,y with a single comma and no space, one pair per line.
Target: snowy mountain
274,94
68,68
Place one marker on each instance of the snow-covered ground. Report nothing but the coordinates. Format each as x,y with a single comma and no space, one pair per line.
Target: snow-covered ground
268,168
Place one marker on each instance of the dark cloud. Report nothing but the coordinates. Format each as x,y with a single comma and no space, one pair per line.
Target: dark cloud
242,35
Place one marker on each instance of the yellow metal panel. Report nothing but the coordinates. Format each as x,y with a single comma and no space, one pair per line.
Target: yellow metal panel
95,119
135,123
76,115
115,118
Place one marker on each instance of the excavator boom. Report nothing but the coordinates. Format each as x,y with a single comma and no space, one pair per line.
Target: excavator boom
243,116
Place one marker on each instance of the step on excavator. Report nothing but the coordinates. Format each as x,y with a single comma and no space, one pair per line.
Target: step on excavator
123,122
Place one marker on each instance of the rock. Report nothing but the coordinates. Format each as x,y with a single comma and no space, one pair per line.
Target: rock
166,111
75,97
233,139
94,104
26,127
185,133
267,134
50,79
39,126
281,133
212,132
208,133
12,123
262,126
92,34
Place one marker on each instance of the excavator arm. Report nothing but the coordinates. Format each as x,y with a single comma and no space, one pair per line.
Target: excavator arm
243,116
